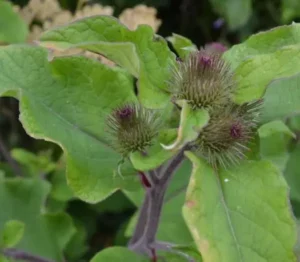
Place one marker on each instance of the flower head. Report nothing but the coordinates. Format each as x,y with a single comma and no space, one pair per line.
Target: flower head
132,128
204,80
226,137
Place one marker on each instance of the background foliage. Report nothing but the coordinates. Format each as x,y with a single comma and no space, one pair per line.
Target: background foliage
32,171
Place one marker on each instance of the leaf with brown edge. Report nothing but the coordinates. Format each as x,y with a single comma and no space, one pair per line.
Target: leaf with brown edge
240,214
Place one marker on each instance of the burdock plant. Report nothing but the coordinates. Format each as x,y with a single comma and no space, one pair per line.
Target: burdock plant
155,114
204,80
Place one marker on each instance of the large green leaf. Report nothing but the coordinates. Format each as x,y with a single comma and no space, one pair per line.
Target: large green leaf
297,248
275,137
254,75
36,165
3,259
282,99
264,43
263,58
118,254
62,228
235,12
12,233
78,245
142,53
12,28
240,214
22,200
59,189
292,173
290,9
182,45
67,101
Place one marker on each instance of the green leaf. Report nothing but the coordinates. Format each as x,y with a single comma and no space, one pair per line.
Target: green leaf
156,154
274,52
275,137
235,12
229,213
22,200
115,203
55,206
274,127
182,45
77,246
37,165
294,123
182,253
264,43
124,54
118,254
292,173
142,53
172,227
12,233
282,99
67,101
60,190
290,9
3,259
12,28
252,83
61,225
191,123
297,248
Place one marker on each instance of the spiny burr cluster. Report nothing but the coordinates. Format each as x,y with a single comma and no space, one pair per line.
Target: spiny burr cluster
132,128
205,81
226,137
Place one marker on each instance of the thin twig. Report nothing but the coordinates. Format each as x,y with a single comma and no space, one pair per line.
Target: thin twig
22,255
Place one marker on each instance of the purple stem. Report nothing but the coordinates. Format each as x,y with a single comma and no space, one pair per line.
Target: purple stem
22,255
143,238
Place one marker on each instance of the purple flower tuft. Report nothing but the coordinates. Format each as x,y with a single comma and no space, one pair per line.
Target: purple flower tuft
132,128
236,131
125,112
205,60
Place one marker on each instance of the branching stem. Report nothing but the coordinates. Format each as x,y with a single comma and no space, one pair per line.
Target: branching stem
143,240
22,255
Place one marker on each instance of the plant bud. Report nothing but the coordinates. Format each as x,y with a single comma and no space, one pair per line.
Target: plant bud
224,140
204,80
132,128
